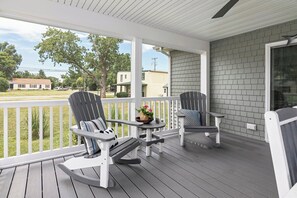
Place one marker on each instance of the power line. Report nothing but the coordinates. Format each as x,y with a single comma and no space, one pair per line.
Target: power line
37,69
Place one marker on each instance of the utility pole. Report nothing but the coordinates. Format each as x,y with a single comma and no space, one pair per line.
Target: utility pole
155,63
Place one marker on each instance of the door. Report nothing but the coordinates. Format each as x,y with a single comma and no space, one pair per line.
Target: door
280,75
283,83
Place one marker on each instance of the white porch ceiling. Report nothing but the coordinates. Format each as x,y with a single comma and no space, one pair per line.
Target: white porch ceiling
192,18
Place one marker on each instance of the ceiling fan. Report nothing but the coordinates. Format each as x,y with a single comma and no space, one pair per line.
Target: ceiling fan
225,9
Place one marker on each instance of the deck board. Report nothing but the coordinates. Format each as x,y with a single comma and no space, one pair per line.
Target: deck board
240,168
34,188
139,182
161,187
177,176
64,182
18,185
223,170
125,183
5,181
49,182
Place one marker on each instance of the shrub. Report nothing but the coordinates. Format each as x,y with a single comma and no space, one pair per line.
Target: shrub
4,85
35,124
73,86
122,95
92,87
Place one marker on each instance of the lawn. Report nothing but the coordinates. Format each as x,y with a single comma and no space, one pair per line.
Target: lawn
18,95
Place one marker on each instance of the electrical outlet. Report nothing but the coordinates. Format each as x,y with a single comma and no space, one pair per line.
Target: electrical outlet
251,126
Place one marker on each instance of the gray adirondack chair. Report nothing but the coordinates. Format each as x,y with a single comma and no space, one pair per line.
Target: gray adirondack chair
196,101
86,107
281,128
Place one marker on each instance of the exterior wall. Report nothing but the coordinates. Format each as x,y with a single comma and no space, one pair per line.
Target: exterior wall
27,87
155,82
126,77
185,72
237,78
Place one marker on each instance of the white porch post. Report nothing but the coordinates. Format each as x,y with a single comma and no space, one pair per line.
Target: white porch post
136,85
204,78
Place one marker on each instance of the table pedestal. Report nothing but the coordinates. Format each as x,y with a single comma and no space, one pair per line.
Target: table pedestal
148,138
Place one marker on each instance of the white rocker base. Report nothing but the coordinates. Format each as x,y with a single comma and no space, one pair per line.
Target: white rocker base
85,179
82,162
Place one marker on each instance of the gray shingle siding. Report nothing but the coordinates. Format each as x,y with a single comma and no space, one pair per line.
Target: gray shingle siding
237,78
185,72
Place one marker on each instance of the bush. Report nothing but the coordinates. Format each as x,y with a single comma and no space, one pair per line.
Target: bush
35,124
4,85
73,86
122,95
93,87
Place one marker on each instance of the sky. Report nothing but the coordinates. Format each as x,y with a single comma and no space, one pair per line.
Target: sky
24,36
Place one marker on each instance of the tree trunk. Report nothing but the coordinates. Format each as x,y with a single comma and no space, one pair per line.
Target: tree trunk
103,83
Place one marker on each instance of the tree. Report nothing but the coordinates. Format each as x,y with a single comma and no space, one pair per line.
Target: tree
55,81
23,74
102,57
122,63
2,74
63,47
4,85
41,74
67,81
9,59
80,82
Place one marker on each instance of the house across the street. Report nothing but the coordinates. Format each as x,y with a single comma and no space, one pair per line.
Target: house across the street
154,83
29,84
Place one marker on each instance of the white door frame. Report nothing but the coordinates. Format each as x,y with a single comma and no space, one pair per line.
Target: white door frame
268,47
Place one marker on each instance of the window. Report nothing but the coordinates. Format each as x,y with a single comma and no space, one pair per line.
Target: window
143,76
125,76
47,86
33,86
121,78
21,86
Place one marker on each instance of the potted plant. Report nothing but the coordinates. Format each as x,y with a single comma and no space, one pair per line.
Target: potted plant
145,113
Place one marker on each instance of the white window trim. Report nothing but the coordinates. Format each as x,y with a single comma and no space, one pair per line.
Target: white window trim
268,47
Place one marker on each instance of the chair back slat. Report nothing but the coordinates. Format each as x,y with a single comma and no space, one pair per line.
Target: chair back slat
86,106
282,134
194,101
289,134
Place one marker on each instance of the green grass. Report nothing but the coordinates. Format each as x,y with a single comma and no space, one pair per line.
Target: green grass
19,95
14,93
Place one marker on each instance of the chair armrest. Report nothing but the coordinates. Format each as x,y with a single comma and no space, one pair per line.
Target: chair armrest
217,115
99,136
131,123
180,114
292,192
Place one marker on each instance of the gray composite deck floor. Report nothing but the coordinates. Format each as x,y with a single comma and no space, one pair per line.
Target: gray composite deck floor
241,168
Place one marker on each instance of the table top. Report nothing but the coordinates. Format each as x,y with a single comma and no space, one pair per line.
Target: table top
152,125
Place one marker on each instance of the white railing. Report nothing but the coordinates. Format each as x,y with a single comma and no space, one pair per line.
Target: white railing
164,108
42,127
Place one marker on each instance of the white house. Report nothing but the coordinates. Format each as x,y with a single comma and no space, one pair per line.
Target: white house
29,84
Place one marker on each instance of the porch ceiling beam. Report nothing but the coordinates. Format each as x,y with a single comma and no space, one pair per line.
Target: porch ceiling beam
52,13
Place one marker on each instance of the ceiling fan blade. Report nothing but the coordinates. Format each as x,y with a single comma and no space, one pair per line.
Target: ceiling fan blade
225,9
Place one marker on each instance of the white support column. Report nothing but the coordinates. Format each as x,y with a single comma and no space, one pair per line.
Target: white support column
169,76
136,85
204,79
